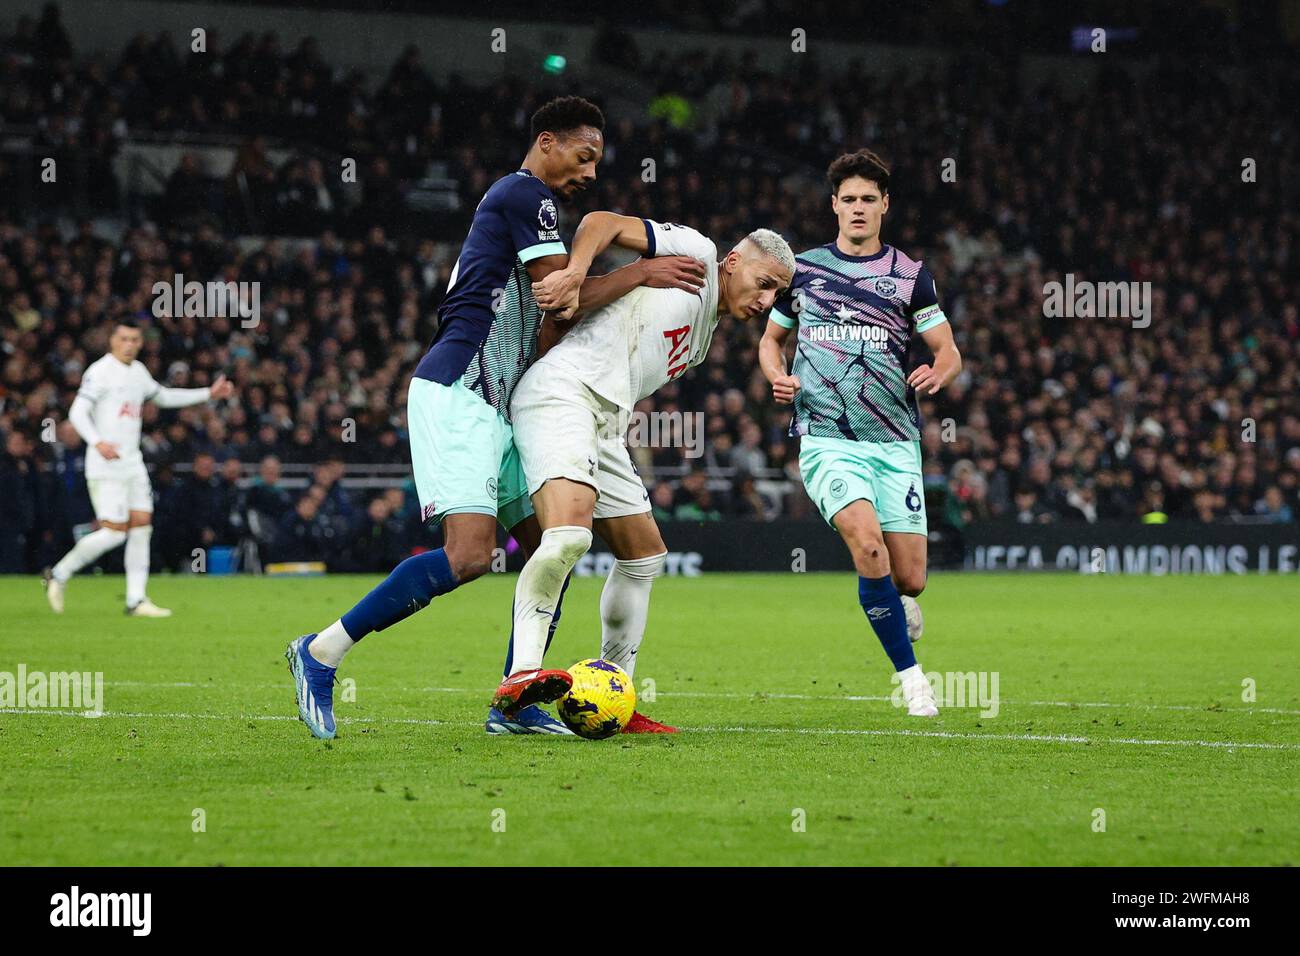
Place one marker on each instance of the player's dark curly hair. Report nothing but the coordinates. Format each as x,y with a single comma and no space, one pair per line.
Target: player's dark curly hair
564,114
863,163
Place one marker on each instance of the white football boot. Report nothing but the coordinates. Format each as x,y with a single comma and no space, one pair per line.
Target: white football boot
147,608
54,591
915,622
920,698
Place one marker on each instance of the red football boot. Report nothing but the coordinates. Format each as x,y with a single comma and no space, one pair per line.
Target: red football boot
530,687
641,724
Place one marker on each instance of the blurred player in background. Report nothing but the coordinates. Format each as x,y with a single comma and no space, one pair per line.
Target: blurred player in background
571,413
467,471
857,303
106,414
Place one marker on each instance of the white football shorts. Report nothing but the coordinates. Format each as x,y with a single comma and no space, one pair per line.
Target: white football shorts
113,498
565,430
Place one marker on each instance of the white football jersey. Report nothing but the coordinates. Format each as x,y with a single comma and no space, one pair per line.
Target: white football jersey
628,349
116,393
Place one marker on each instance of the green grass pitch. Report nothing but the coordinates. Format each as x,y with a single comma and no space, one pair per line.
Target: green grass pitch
1121,696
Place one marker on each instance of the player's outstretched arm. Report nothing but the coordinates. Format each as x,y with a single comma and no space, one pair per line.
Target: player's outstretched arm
569,290
928,379
184,397
558,290
664,272
598,231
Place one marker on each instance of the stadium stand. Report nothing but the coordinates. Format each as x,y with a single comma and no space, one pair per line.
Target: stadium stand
226,166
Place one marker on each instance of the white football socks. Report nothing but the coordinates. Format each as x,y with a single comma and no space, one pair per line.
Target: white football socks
538,591
624,606
329,646
87,551
136,561
910,676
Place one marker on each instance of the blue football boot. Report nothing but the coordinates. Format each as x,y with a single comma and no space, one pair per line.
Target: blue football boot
529,720
313,687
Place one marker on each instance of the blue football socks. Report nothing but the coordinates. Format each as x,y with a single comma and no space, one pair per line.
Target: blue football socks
879,599
411,586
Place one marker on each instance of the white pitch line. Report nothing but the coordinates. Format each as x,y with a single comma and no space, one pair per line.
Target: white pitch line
127,715
1001,702
1045,738
731,695
940,734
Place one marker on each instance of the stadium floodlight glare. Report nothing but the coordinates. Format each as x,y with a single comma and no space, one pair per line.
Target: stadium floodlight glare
554,63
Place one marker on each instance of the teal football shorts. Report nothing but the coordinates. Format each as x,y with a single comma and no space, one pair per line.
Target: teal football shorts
463,454
838,471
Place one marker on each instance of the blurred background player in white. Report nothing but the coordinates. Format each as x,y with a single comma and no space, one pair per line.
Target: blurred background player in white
571,412
106,414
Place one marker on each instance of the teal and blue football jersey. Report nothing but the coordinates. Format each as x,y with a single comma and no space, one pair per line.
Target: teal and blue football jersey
856,316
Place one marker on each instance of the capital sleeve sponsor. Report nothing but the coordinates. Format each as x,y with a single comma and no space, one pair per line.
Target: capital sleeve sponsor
924,306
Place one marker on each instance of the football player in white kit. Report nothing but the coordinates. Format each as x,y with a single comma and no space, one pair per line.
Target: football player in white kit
106,414
571,412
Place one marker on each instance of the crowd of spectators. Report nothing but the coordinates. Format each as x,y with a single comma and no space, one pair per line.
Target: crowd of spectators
1000,188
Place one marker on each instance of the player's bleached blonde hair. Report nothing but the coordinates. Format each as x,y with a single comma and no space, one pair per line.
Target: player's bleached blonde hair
770,244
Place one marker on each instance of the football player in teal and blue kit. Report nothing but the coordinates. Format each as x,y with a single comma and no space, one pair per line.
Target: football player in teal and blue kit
467,471
856,304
